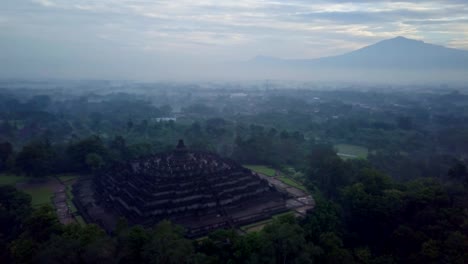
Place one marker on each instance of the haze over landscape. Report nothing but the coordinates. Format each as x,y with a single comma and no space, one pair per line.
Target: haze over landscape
234,131
213,40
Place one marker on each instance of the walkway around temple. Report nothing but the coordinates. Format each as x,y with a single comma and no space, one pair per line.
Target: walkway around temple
299,202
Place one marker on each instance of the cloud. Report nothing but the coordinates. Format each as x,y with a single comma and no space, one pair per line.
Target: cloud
228,29
46,3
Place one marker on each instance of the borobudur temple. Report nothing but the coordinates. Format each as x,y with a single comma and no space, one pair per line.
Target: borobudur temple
200,191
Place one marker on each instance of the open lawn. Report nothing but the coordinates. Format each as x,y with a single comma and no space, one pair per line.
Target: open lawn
347,151
257,226
283,214
7,179
41,191
292,183
265,170
40,194
252,226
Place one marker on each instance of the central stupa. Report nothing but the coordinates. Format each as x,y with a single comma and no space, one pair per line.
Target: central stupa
198,190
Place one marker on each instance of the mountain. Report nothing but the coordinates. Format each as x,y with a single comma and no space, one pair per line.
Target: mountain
397,53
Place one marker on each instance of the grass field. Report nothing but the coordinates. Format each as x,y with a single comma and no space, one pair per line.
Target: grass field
257,226
6,179
249,227
293,173
283,214
292,183
347,151
265,170
41,192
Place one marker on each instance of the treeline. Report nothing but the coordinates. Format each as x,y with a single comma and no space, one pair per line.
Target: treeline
408,135
23,120
38,133
41,158
380,220
247,144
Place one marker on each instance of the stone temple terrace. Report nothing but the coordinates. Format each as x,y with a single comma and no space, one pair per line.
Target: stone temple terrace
200,191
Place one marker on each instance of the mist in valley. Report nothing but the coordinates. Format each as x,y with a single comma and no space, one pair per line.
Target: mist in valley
233,131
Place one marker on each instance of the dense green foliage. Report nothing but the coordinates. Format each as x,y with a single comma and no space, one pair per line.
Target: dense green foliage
408,134
369,218
406,203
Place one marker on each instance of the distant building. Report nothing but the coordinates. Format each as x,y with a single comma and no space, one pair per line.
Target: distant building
238,95
165,119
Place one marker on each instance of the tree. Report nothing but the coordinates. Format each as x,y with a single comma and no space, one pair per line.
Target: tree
15,208
42,224
167,245
129,125
38,228
76,244
371,207
220,246
327,171
39,102
79,151
60,249
333,248
166,110
6,152
405,122
284,240
7,129
131,244
118,148
94,161
325,218
459,173
216,127
35,159
96,120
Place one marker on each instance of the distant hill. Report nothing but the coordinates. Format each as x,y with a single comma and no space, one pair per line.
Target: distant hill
397,53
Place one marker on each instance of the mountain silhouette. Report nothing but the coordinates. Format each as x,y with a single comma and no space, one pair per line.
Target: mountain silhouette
396,53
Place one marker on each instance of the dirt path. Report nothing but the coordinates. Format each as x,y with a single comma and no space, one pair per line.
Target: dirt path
60,203
301,201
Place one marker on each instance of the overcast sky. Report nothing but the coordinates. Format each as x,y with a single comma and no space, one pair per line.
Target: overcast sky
104,38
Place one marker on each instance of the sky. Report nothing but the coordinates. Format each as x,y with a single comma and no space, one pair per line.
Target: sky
142,38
